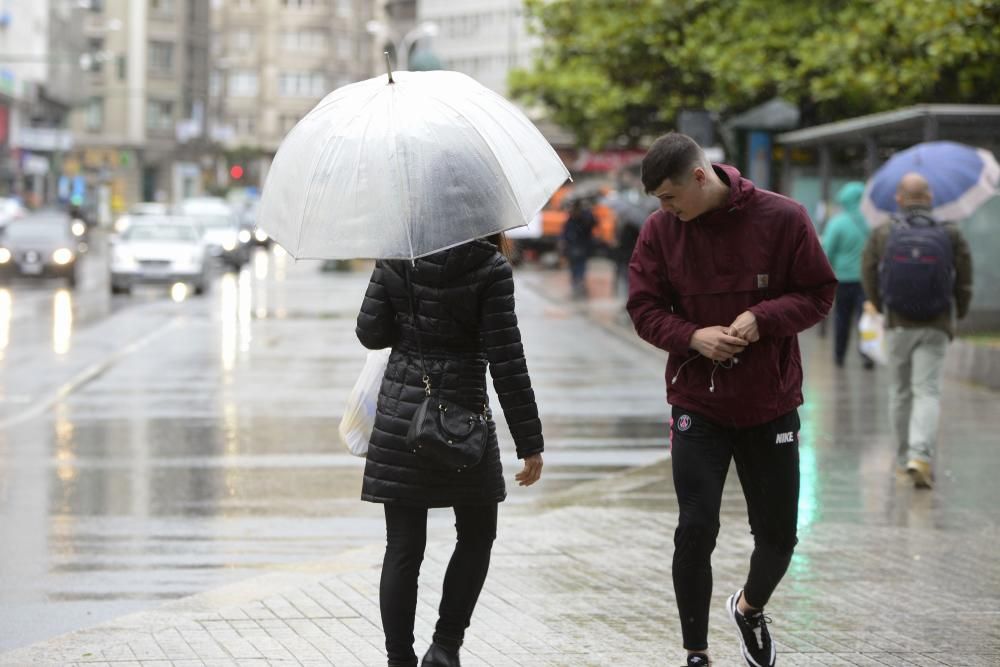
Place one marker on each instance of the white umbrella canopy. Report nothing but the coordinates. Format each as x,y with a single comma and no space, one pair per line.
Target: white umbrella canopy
404,169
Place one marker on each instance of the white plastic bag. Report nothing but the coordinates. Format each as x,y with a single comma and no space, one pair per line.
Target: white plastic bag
359,413
871,331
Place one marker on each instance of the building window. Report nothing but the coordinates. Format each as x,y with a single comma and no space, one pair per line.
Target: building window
95,49
97,6
344,50
242,83
312,39
302,84
161,57
242,40
94,114
160,115
288,121
163,7
305,4
244,124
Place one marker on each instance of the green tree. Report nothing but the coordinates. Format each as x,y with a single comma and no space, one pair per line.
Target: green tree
613,71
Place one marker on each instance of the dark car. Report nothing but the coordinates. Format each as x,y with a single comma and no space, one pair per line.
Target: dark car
40,245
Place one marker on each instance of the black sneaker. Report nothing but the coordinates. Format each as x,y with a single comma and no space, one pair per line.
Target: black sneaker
698,660
755,640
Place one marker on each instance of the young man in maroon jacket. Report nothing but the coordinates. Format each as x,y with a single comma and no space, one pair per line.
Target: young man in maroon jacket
723,277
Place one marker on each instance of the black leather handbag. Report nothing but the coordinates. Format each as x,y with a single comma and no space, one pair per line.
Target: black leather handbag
442,432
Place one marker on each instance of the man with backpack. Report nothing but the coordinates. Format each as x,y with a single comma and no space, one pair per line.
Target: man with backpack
918,272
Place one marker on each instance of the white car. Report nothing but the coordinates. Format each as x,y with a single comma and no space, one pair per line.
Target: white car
140,209
225,237
159,250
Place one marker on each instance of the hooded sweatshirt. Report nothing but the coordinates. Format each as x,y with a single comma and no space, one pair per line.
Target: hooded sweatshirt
846,233
758,252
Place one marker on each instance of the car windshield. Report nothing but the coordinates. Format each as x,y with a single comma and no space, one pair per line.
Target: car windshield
34,229
161,233
214,220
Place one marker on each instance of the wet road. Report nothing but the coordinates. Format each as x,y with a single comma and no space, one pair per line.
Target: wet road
160,445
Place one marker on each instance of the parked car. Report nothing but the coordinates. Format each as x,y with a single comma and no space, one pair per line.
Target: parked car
225,237
159,250
40,245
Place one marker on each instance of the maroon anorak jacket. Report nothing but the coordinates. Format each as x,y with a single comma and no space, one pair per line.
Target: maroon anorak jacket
760,253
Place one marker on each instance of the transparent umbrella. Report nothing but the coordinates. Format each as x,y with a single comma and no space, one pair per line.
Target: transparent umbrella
405,165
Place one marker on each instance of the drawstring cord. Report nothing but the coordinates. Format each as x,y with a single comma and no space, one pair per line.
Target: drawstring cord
715,366
678,373
720,364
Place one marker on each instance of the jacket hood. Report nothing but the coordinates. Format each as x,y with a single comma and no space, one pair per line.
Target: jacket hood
740,193
849,196
445,266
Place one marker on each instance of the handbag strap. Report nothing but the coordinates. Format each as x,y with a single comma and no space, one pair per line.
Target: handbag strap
416,327
416,330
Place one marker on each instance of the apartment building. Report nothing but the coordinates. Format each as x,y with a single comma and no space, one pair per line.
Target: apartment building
482,38
141,133
273,60
39,84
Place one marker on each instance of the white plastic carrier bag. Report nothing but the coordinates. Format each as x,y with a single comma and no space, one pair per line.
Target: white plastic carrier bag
359,413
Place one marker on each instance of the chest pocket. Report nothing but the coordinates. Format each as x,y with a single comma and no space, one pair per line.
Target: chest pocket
759,283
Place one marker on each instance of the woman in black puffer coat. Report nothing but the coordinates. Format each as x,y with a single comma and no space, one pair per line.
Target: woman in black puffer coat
464,303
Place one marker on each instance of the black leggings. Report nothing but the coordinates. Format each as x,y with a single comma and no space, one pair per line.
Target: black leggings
767,461
406,536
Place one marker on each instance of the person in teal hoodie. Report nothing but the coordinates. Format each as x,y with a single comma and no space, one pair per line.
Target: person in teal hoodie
844,239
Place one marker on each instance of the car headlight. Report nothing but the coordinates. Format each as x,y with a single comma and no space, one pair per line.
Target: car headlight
62,256
228,245
78,228
260,235
244,236
5,255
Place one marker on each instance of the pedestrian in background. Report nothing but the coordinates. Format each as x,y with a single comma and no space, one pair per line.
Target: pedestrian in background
578,244
723,278
918,272
631,206
460,321
844,239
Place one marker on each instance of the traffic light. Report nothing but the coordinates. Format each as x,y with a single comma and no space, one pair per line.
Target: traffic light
236,172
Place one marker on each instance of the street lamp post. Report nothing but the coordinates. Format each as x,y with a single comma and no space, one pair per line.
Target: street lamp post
402,46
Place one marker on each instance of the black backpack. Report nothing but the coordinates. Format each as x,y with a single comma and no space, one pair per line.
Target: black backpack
917,272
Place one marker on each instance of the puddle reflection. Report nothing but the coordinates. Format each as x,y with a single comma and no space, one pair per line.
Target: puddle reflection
6,314
62,321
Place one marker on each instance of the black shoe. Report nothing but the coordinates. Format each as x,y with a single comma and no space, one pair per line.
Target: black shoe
755,640
698,660
438,656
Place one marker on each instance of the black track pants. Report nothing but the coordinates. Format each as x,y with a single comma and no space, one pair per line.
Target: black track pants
767,461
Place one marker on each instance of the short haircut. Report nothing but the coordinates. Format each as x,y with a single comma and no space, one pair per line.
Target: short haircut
671,156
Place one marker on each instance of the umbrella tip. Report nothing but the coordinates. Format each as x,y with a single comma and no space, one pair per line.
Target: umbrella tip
388,66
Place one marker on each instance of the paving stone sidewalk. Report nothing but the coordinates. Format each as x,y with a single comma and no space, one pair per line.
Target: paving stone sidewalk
883,575
585,581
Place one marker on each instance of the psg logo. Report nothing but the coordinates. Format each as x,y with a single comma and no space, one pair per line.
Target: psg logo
683,423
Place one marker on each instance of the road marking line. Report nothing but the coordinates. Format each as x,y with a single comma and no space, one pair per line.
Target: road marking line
86,375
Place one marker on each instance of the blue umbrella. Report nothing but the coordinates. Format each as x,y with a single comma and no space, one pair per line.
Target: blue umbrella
962,178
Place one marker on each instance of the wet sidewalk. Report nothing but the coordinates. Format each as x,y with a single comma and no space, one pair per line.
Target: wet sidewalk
883,575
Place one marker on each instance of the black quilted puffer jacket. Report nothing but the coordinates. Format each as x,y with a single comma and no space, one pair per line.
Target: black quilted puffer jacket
464,300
